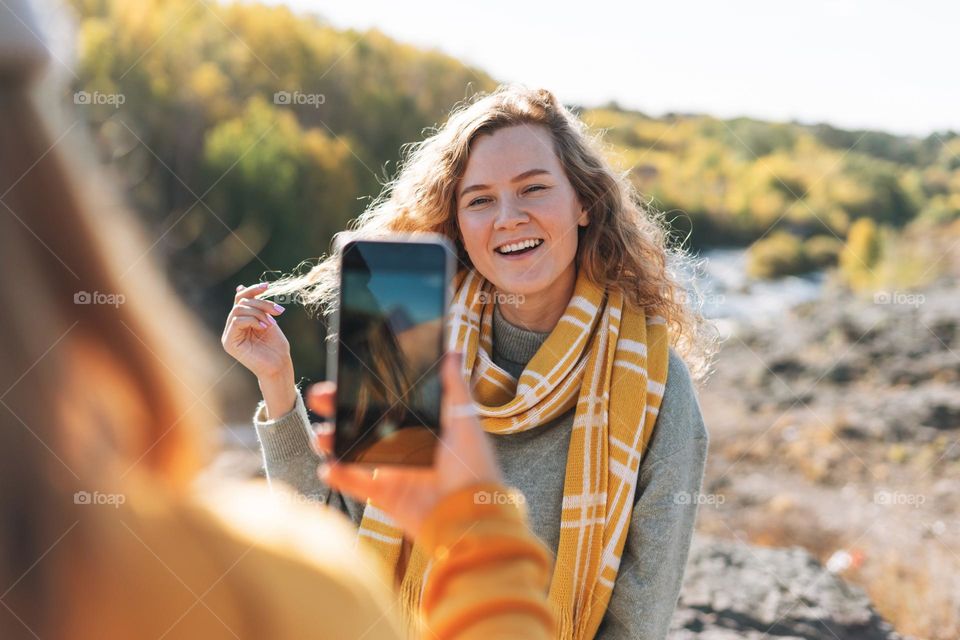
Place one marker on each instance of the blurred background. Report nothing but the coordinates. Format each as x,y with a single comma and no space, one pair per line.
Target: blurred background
808,154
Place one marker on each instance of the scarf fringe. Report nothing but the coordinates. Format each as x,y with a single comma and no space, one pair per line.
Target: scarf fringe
564,621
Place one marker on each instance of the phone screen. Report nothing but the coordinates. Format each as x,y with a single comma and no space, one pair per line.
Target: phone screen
393,299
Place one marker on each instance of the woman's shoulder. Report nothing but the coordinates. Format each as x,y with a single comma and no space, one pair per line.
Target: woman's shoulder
680,423
251,512
678,374
290,544
276,561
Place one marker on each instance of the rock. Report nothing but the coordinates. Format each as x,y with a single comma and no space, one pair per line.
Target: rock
944,330
944,414
933,406
786,366
733,590
842,372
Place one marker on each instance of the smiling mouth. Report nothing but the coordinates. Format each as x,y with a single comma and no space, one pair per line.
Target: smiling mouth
519,252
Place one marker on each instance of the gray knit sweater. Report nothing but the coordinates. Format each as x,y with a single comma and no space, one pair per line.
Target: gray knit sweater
655,553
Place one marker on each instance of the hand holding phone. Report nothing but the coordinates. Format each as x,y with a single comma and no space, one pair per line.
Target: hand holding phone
390,331
408,494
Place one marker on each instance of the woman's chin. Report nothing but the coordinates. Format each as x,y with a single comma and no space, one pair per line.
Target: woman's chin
522,280
515,293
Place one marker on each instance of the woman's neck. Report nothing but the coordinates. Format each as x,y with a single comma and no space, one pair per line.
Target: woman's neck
540,311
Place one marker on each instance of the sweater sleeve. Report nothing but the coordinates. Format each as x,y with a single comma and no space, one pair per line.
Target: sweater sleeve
288,456
661,527
489,575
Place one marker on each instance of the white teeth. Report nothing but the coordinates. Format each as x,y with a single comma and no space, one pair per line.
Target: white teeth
510,248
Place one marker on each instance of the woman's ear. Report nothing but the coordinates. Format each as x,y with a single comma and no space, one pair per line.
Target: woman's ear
584,218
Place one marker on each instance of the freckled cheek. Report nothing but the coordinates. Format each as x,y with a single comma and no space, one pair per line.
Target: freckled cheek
549,217
475,238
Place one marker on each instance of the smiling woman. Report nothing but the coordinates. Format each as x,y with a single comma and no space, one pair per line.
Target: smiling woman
578,346
518,217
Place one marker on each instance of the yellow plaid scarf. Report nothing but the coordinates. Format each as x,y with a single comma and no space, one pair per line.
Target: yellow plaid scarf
611,363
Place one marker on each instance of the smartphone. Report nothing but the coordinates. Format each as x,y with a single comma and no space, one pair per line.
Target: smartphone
390,337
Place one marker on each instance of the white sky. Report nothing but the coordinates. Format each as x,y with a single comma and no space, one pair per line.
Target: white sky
879,64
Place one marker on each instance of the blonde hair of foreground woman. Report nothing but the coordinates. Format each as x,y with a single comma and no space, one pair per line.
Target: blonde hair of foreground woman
108,399
76,379
85,390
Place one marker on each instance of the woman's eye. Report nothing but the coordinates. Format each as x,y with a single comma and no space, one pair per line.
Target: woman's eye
484,199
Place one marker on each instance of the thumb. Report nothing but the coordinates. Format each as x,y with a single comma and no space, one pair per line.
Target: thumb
460,414
455,390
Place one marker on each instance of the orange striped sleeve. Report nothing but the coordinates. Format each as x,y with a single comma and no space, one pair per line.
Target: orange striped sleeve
489,573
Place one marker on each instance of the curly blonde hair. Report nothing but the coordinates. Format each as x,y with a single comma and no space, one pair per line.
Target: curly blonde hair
626,246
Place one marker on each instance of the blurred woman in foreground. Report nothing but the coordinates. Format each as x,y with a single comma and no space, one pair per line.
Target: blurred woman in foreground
106,532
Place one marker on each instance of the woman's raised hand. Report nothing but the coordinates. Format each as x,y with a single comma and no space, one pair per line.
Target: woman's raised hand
464,457
252,336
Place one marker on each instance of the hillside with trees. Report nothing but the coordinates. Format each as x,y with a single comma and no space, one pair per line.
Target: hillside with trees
247,135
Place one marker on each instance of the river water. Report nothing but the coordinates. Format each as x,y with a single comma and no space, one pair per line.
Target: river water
733,299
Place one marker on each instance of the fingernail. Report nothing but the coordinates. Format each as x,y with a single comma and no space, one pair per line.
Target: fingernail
277,308
272,320
324,470
263,325
239,286
263,285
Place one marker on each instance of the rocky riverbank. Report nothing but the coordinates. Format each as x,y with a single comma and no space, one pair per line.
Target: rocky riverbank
734,591
837,429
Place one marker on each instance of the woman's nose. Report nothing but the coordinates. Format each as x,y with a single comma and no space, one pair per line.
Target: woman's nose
510,215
